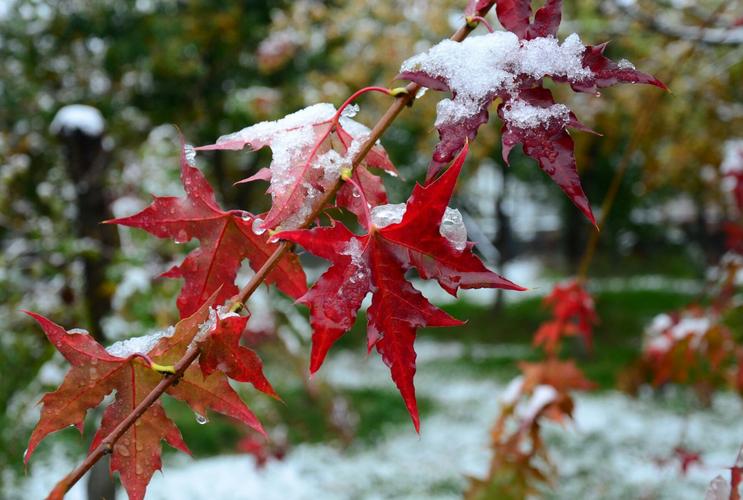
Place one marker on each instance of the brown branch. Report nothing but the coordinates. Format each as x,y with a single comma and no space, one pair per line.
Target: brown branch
402,100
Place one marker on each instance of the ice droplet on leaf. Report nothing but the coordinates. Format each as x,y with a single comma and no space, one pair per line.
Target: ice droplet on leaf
350,111
257,229
189,152
452,228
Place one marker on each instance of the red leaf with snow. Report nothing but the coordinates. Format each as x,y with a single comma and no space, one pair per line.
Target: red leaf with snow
226,239
535,121
511,66
310,148
127,369
376,262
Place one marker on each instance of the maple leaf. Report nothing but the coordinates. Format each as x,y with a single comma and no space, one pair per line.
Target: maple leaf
573,313
376,262
128,368
511,66
564,376
310,148
226,239
515,16
221,350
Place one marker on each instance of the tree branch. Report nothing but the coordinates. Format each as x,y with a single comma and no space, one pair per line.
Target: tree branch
702,34
402,100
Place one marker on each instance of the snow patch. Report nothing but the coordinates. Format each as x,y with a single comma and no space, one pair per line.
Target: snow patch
138,345
86,119
481,67
521,114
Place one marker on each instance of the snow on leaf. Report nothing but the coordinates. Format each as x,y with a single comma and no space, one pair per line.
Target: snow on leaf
226,239
95,373
376,262
510,66
310,148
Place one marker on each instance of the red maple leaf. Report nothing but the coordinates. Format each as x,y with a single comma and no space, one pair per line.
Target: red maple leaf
129,369
573,313
221,351
226,239
376,262
512,69
310,148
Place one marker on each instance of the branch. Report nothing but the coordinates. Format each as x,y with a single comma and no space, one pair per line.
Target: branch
705,35
402,99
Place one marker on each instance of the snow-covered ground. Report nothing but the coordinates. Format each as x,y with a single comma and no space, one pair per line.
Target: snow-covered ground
610,452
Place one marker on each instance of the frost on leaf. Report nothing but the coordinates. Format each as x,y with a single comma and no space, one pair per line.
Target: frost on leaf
510,66
124,369
226,239
400,237
309,151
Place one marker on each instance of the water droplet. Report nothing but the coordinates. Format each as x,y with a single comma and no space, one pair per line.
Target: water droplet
257,229
245,216
121,450
140,446
181,237
356,193
350,111
139,469
201,419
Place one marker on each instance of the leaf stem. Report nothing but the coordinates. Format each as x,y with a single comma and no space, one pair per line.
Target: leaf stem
475,20
401,101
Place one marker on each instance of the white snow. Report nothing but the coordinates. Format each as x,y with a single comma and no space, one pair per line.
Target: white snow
663,332
266,132
719,489
542,396
292,139
385,215
610,451
732,161
482,66
81,117
521,114
138,345
512,391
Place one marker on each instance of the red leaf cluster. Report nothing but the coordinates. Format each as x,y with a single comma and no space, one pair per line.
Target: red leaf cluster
310,168
132,375
376,262
573,314
545,138
225,238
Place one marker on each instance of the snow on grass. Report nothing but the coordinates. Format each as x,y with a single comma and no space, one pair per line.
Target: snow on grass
610,452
